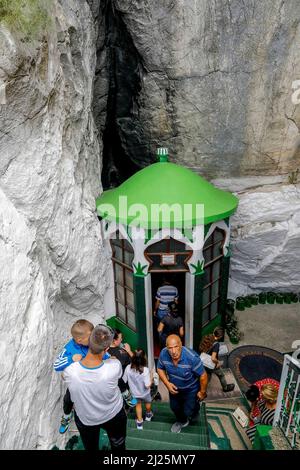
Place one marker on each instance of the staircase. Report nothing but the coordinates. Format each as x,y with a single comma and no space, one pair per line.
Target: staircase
215,429
156,434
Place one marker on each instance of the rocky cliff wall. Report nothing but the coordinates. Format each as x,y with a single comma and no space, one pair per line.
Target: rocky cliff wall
53,269
214,81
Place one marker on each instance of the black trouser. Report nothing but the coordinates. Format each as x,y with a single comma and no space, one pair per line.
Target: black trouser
68,404
122,385
115,428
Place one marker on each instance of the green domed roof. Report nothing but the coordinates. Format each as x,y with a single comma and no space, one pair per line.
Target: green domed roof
165,183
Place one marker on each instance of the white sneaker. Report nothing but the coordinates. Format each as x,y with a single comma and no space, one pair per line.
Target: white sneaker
139,424
149,416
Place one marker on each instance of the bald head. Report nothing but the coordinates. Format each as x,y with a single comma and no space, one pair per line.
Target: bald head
172,339
174,347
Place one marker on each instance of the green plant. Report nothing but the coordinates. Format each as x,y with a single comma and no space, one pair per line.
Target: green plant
240,303
27,18
279,298
262,298
254,299
294,297
287,296
232,329
230,304
271,297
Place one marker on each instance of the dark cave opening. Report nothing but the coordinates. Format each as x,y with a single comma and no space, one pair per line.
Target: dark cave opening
125,149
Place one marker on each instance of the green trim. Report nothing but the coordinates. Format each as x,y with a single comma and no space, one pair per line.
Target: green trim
206,229
198,268
139,270
198,295
209,328
140,311
224,288
130,336
262,440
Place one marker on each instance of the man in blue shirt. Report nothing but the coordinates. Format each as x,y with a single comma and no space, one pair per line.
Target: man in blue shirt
182,372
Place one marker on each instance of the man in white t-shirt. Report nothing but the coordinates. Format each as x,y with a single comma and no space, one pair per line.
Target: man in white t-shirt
93,385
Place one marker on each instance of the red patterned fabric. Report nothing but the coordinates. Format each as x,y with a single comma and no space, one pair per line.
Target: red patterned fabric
255,411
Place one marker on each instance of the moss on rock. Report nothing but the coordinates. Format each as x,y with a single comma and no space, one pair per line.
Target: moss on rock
26,18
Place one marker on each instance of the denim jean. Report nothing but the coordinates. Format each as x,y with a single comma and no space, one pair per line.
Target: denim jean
161,313
68,404
184,405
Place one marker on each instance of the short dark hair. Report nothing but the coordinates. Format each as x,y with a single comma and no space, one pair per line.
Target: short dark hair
173,309
218,332
252,393
100,339
116,333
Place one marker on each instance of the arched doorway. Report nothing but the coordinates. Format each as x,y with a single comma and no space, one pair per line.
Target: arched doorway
168,260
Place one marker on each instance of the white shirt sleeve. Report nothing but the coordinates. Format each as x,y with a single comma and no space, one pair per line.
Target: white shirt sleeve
125,376
67,375
147,379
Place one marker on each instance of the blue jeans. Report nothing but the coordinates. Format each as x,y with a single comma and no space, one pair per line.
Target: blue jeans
184,405
161,313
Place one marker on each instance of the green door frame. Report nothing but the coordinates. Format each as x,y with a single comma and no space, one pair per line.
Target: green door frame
140,311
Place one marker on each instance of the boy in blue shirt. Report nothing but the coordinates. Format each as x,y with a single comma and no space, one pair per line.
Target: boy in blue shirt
75,350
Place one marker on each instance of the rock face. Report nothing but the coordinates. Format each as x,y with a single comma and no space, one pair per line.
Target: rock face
213,84
52,262
265,239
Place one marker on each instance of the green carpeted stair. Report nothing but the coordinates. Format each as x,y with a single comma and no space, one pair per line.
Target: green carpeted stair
156,434
215,428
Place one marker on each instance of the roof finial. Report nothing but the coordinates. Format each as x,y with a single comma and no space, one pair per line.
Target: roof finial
162,154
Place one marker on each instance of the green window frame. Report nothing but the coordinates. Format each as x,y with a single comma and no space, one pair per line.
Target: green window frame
211,294
122,257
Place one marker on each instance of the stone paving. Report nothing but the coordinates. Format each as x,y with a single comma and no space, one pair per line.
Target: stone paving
273,326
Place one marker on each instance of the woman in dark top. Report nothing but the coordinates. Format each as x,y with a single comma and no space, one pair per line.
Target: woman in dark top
171,324
210,345
123,353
